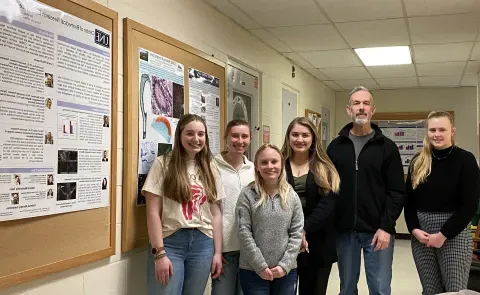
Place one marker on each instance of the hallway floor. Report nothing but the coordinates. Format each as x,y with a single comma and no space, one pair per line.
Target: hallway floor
404,278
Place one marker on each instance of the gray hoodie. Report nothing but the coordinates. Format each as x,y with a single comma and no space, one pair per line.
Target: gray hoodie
269,235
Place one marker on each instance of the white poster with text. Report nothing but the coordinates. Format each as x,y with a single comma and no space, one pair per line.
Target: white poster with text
55,108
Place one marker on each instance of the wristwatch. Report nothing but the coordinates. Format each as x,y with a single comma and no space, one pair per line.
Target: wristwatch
156,250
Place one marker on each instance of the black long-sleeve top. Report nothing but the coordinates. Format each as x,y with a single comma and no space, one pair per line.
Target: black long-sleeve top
452,186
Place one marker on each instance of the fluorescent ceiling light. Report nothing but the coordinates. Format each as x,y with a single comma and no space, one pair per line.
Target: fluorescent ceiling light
382,56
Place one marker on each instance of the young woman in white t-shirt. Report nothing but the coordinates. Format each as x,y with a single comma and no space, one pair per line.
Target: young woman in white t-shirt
184,219
237,172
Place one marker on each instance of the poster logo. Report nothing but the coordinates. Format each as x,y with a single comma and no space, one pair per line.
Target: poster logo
102,38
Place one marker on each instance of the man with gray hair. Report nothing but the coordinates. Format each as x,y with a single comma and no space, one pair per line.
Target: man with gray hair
371,198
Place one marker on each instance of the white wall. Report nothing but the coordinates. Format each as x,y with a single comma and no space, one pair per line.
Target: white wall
463,101
197,24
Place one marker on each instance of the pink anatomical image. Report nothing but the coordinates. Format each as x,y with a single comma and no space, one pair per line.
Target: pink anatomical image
162,97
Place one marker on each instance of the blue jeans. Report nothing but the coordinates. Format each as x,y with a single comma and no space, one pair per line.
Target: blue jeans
191,254
253,284
378,264
229,281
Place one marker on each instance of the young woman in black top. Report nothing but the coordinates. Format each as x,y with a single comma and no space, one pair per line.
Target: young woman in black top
442,197
316,181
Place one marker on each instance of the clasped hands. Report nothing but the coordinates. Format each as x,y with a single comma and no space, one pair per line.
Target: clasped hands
269,274
430,240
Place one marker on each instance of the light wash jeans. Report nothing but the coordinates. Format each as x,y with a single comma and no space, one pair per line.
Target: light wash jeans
191,254
229,281
378,264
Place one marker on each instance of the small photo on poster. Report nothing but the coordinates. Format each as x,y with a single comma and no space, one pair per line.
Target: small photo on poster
104,183
106,121
15,198
49,80
148,150
50,194
143,55
17,179
48,103
67,162
50,179
163,127
105,156
66,191
141,181
164,149
178,101
48,137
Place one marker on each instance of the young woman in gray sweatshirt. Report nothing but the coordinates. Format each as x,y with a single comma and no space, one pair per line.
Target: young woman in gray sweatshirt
269,227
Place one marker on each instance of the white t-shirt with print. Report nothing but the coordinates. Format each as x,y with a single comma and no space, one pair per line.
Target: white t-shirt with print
193,214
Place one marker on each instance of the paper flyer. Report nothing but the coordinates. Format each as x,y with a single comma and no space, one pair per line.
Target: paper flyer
55,108
204,97
161,104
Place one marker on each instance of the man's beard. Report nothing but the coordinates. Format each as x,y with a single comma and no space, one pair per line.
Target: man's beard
361,121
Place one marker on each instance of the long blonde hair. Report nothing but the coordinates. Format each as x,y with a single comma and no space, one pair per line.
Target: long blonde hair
325,173
176,185
421,165
284,188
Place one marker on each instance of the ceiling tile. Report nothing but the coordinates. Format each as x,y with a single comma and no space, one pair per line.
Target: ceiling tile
319,75
309,38
445,68
289,15
231,10
440,81
357,10
469,80
444,29
332,58
332,85
265,5
298,60
375,33
476,52
349,84
346,73
472,67
442,52
405,82
436,7
271,40
394,71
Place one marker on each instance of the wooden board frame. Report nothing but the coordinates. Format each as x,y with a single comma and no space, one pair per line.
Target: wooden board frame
134,225
35,241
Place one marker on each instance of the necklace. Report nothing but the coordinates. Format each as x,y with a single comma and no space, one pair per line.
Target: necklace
300,168
441,158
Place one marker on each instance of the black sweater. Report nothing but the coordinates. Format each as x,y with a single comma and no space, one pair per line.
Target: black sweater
452,186
319,228
373,196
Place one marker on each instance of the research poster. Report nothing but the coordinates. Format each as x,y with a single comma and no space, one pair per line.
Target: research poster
407,137
161,104
55,110
204,97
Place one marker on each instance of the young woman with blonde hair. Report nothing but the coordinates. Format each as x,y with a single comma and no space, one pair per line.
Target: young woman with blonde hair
183,190
442,197
316,181
236,172
269,227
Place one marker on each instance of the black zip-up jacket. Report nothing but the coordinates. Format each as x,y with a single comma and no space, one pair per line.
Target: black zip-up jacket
373,196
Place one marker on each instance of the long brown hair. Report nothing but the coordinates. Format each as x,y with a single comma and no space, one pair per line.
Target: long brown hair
176,185
325,173
421,165
259,184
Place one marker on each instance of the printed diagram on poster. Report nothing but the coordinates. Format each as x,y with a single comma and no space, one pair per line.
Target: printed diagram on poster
161,104
266,134
204,98
55,101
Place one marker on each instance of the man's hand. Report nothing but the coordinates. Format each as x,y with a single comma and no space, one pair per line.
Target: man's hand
381,240
304,245
436,240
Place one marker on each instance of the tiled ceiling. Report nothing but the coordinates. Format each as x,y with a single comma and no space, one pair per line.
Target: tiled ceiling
320,36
